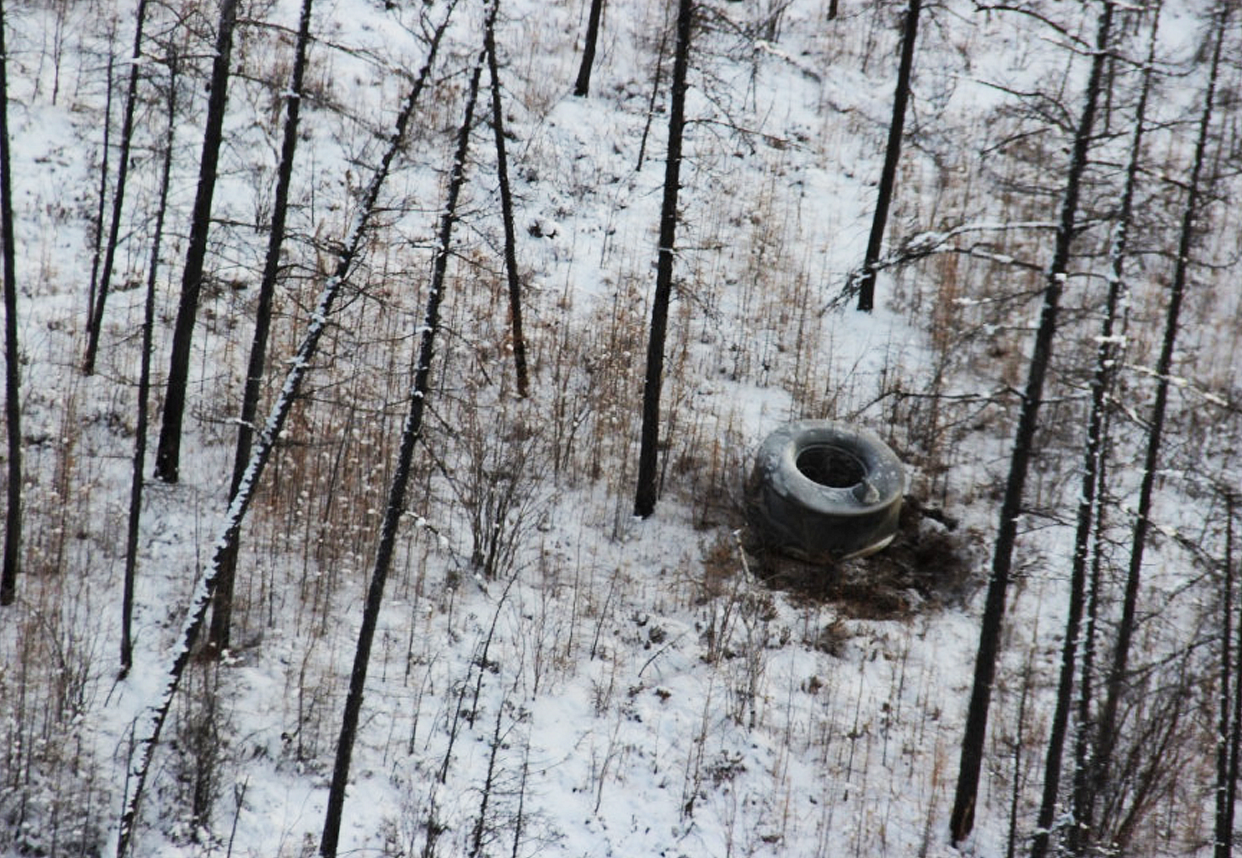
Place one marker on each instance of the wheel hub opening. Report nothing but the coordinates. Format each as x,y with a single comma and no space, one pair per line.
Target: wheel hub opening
831,466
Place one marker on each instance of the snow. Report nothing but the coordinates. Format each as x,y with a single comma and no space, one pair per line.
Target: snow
626,687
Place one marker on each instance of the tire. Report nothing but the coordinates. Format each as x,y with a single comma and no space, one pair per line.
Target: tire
823,491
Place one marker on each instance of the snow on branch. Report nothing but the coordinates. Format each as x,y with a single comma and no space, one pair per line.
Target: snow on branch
931,242
298,367
1183,383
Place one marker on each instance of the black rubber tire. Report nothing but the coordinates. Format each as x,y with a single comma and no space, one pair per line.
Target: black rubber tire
824,491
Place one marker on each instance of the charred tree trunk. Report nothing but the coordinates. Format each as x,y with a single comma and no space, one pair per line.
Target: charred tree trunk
144,384
222,606
265,442
1235,724
1224,747
97,225
168,454
892,155
95,322
651,102
410,435
1093,452
1085,703
582,87
12,379
1115,681
648,456
963,818
506,215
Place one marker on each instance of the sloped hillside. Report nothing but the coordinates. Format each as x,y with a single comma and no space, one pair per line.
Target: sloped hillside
551,674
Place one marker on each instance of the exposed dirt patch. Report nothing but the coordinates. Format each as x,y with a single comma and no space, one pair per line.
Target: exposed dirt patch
928,565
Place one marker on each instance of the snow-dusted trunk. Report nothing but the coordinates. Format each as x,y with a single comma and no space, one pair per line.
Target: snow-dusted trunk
168,454
1093,451
1115,681
411,433
648,455
892,154
222,606
582,86
12,378
1084,704
95,322
964,804
506,214
144,382
265,441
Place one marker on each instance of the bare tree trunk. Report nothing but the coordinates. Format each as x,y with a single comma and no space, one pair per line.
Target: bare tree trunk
410,435
892,155
1084,703
144,384
963,818
655,91
1075,839
12,379
506,215
1093,451
222,606
97,226
1224,748
1015,792
95,322
648,490
582,86
168,454
265,442
1115,681
1235,726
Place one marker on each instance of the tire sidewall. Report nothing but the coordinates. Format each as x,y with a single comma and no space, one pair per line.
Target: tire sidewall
819,522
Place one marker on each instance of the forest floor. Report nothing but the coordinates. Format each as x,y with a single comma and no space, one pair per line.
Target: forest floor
553,676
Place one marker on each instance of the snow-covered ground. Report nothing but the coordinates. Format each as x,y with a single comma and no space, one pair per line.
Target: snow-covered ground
618,686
